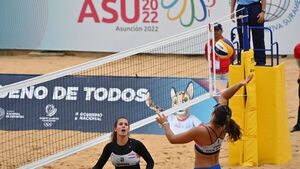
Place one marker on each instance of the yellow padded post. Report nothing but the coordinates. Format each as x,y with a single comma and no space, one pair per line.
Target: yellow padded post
262,115
249,138
273,128
237,106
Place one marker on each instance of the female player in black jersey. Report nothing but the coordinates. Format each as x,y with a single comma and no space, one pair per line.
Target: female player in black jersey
209,137
125,152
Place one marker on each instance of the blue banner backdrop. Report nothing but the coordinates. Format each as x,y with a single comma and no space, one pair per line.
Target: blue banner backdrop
91,103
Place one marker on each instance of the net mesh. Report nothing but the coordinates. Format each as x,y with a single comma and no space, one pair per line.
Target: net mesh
53,113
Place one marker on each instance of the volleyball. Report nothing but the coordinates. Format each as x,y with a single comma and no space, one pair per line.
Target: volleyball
297,51
224,48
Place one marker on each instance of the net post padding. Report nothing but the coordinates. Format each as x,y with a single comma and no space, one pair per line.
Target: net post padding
274,144
262,115
237,105
244,152
250,115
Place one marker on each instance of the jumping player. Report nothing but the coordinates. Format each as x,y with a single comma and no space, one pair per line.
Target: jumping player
208,138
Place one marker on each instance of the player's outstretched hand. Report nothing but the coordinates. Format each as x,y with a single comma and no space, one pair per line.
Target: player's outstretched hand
247,80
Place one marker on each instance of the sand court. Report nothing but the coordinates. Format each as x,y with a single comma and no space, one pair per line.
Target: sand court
165,155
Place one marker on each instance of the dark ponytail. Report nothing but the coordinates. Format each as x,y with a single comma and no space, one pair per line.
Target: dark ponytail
233,130
223,118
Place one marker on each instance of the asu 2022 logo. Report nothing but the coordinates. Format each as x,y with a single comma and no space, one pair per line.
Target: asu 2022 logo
186,12
115,10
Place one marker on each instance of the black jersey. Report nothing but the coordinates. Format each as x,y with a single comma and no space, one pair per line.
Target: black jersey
127,156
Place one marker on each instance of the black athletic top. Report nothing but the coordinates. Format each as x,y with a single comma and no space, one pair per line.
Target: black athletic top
125,157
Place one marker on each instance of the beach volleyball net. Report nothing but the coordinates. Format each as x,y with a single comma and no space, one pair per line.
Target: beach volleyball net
48,117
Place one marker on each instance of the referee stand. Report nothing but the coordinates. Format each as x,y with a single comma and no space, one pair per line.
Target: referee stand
262,112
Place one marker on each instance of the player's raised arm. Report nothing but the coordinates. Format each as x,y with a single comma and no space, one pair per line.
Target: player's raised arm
230,91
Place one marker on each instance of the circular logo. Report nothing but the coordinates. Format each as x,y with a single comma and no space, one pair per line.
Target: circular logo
50,110
187,12
2,113
275,9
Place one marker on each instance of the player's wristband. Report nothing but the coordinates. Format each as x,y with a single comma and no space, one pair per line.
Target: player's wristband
263,11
